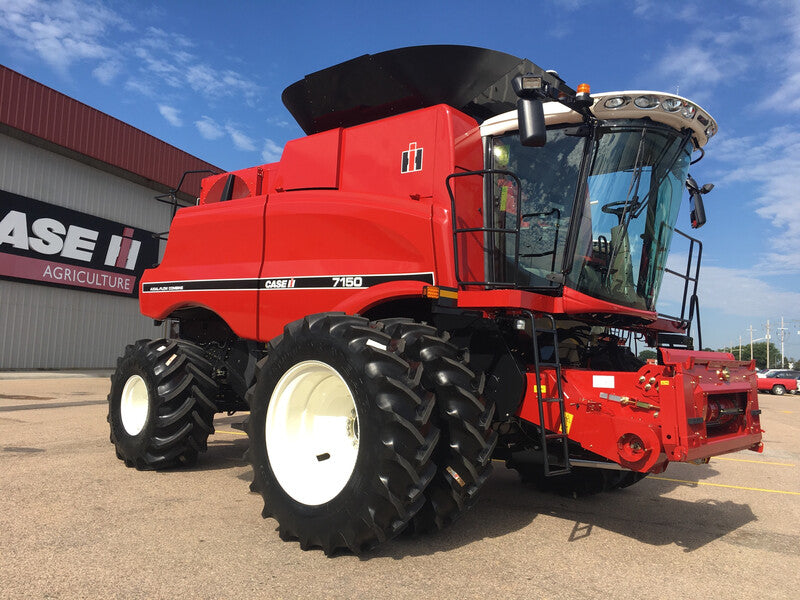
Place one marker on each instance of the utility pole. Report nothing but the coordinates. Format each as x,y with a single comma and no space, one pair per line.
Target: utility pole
751,342
783,337
768,342
740,347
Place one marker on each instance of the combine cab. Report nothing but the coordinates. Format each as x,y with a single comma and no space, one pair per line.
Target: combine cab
449,268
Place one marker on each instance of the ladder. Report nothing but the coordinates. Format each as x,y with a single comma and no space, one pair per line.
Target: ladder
549,440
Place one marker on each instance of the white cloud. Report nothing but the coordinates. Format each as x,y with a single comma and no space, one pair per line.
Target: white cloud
773,163
160,40
202,78
168,57
765,45
166,70
755,298
106,72
692,65
140,87
61,32
786,98
278,122
240,140
724,315
658,10
209,128
171,114
271,151
214,83
753,38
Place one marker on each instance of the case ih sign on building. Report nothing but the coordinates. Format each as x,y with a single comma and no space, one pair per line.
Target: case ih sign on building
52,245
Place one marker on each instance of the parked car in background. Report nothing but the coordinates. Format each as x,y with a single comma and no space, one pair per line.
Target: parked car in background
779,381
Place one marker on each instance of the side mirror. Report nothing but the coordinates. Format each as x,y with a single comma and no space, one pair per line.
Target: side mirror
698,211
530,115
530,89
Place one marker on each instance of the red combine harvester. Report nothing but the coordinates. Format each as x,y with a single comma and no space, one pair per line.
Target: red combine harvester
448,269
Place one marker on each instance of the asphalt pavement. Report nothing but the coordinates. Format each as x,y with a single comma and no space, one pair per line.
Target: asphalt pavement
76,523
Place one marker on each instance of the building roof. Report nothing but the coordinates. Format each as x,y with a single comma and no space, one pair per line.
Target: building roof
43,116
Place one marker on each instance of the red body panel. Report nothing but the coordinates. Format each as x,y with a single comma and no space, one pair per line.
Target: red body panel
374,204
221,241
315,233
570,303
321,150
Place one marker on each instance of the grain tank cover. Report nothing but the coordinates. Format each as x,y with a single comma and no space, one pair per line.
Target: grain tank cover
474,80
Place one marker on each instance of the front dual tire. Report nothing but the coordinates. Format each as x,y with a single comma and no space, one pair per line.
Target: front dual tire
340,434
357,430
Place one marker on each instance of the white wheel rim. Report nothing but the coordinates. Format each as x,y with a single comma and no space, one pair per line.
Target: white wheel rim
135,405
312,432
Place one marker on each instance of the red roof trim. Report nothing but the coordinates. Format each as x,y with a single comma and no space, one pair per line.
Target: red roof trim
40,111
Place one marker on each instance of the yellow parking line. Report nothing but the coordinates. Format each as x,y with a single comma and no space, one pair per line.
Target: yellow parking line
735,487
758,462
231,432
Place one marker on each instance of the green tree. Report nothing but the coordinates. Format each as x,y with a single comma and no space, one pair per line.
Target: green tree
760,354
645,354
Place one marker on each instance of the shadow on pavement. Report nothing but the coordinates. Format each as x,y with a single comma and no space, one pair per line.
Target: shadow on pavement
640,512
222,454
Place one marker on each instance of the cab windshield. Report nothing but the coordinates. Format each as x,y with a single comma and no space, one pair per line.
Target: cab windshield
607,236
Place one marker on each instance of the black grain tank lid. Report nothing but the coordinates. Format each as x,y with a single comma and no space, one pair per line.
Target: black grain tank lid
474,80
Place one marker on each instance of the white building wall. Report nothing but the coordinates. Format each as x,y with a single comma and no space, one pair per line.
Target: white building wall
48,327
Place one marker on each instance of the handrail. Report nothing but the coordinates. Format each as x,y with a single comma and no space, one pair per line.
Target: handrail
171,198
692,264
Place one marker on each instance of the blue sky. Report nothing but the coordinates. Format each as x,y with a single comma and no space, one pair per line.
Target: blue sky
207,78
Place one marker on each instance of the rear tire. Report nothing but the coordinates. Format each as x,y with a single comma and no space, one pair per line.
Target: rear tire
778,390
463,454
340,441
160,408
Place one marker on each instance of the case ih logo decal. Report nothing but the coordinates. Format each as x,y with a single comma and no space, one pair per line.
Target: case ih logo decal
278,284
412,159
53,245
327,282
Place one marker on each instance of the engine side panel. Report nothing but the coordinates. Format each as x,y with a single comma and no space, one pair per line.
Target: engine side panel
212,260
335,251
359,232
